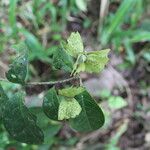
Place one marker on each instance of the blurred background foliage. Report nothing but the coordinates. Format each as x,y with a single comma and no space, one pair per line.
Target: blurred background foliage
122,89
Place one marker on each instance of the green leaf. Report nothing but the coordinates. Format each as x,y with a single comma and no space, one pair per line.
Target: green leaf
71,91
91,117
105,93
95,62
3,99
18,69
74,45
61,60
50,132
51,104
117,102
68,108
20,123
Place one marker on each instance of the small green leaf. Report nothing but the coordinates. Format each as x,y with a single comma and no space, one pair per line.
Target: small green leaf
18,69
117,102
71,91
61,60
68,108
20,123
91,117
96,61
74,45
105,93
51,104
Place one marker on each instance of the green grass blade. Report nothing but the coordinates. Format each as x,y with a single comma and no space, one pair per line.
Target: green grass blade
117,20
36,49
129,51
141,36
12,15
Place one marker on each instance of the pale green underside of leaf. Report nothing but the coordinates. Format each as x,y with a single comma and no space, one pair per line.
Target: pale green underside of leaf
68,108
51,104
71,91
74,45
91,117
78,68
20,123
95,62
18,69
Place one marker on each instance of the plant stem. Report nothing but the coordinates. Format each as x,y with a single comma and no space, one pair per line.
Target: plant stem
47,83
53,82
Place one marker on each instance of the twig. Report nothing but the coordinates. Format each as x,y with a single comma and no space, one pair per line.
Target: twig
47,83
53,82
